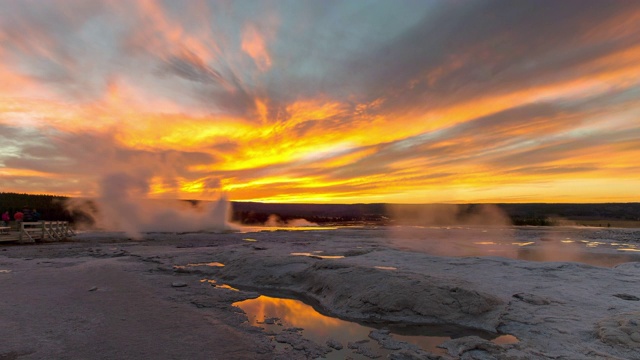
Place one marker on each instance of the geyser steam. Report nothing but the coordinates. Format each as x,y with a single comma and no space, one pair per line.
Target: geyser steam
123,206
455,230
275,221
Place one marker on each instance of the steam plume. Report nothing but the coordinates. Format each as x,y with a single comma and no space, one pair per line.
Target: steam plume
123,206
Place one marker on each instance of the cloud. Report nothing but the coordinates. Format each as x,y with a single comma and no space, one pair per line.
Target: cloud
254,44
296,101
87,157
461,51
191,67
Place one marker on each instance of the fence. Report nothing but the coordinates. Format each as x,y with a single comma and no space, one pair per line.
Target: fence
29,232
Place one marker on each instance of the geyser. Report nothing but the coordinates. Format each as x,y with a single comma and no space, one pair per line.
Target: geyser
123,206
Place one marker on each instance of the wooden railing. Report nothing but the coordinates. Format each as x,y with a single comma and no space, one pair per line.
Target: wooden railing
29,232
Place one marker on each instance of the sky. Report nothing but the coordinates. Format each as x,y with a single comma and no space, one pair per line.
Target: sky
323,101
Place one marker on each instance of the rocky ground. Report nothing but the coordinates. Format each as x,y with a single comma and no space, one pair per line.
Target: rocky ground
104,296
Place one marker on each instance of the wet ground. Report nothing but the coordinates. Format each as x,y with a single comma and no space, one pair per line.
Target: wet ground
276,315
247,288
593,246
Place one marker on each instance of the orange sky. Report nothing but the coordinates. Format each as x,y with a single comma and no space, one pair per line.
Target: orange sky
344,102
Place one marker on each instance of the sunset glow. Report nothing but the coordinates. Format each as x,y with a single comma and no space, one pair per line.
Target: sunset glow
337,102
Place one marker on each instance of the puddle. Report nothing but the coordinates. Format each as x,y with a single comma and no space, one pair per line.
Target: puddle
276,314
629,249
250,240
211,264
505,340
5,271
385,267
317,255
523,244
592,244
215,284
254,229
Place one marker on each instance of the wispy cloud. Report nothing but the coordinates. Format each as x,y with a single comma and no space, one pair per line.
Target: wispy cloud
254,44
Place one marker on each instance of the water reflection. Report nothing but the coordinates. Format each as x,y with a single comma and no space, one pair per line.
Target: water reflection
211,264
215,284
505,339
275,314
386,267
252,229
317,255
523,243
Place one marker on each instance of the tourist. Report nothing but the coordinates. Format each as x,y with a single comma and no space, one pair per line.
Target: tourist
18,216
35,215
5,218
26,214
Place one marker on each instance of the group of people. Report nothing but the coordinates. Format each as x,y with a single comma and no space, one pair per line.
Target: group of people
25,215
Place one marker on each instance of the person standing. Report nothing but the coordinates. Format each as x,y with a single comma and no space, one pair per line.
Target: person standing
35,215
5,218
18,216
26,214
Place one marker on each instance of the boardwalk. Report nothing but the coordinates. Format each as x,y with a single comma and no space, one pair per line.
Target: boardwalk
30,232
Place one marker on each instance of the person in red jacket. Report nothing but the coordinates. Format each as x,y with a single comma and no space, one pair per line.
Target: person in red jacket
18,218
5,218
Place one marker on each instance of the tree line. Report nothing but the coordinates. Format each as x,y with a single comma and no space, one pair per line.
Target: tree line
50,207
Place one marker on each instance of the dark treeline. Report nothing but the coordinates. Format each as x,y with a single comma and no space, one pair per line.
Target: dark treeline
50,207
536,214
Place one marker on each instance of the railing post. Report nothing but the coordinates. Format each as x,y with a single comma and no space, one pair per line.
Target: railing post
20,230
43,234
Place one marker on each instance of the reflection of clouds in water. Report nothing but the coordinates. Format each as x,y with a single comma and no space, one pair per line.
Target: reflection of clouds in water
594,243
291,312
523,244
211,264
215,284
386,267
319,328
316,254
255,229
